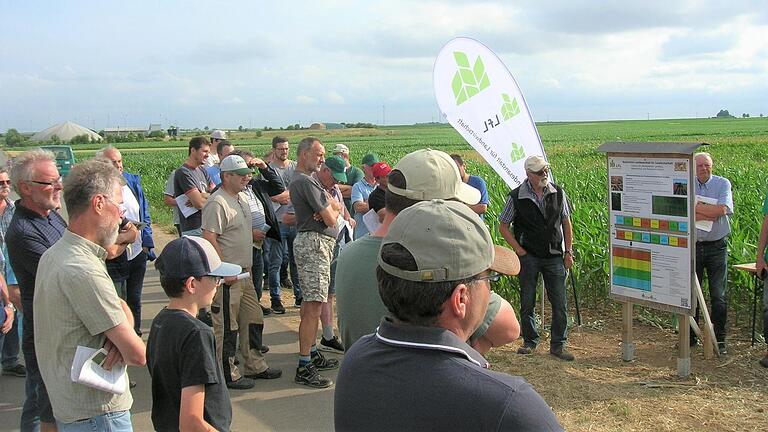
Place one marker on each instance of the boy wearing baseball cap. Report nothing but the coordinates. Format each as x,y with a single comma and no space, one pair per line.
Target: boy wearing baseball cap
188,386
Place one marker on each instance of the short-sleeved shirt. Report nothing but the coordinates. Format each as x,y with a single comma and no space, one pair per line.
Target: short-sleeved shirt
479,184
29,236
376,200
360,192
214,172
526,192
719,188
76,303
181,352
286,175
230,217
309,197
169,191
184,180
354,175
5,222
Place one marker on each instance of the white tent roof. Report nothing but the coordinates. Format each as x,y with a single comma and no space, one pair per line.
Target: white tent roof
65,131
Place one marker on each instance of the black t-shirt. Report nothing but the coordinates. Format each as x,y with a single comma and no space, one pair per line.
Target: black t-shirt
376,199
181,352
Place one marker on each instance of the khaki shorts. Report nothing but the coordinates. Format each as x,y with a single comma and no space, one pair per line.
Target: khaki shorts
314,252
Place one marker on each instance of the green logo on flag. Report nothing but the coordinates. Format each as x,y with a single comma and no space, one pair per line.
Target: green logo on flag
517,152
467,81
510,108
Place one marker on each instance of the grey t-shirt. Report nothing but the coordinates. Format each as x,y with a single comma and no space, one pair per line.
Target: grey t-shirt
308,197
185,179
286,175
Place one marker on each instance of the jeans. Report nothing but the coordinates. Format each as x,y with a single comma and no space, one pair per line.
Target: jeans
273,258
9,341
553,272
713,257
288,236
37,406
257,271
118,421
137,267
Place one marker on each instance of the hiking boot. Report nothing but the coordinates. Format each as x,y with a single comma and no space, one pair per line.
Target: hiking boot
562,354
309,376
269,373
265,310
277,306
332,345
242,384
297,302
18,371
527,348
764,361
322,363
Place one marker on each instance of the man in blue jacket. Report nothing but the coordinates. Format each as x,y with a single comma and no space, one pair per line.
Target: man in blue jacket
132,265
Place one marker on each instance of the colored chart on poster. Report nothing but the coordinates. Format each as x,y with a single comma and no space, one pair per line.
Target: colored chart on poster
632,268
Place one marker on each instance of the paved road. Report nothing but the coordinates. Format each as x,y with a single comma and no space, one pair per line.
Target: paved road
279,405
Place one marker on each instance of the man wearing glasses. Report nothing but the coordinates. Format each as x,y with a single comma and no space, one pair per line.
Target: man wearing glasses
227,225
35,227
535,222
435,267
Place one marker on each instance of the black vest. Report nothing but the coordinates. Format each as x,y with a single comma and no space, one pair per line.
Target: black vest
539,236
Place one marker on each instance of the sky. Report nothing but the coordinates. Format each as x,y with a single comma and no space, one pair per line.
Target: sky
255,63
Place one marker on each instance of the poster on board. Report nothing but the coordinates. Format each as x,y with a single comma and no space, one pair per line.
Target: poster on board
651,238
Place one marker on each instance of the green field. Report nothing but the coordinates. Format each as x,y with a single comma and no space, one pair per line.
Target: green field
739,148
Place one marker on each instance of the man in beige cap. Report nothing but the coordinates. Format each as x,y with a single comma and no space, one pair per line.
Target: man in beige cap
217,136
354,175
536,222
419,176
435,270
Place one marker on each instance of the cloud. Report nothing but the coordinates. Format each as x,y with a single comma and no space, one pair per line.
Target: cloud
305,100
334,97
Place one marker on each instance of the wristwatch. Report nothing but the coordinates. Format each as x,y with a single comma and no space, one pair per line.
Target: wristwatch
9,304
569,252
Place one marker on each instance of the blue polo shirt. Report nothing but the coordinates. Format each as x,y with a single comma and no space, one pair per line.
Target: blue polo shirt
719,188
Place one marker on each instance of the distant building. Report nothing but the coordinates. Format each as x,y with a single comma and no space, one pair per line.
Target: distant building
121,131
322,126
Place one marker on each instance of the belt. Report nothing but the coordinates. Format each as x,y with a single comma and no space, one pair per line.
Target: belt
711,243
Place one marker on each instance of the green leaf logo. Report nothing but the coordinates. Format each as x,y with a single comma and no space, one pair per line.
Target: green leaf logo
468,81
510,108
517,152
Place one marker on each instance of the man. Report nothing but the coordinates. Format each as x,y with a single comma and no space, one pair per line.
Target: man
376,200
354,175
217,136
417,371
360,192
9,340
35,227
761,267
188,391
285,168
330,175
360,307
227,226
223,148
142,249
477,183
535,222
77,305
712,245
192,181
316,215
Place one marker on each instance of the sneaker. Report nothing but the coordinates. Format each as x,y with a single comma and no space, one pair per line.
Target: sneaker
242,384
18,371
322,363
309,376
332,345
277,306
721,348
269,373
764,361
297,302
266,311
562,354
264,349
527,348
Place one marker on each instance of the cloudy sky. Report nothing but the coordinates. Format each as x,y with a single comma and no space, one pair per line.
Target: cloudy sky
254,63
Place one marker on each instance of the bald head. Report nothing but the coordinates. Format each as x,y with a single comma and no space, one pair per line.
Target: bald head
113,155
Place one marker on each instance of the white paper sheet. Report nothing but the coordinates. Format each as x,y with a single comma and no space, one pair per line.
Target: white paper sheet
88,373
181,202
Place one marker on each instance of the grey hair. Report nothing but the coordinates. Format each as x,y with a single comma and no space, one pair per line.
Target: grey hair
705,154
23,163
101,152
86,180
306,144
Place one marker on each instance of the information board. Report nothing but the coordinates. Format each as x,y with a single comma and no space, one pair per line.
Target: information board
651,237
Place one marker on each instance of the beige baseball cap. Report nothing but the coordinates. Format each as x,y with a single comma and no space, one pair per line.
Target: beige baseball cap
432,174
448,241
536,163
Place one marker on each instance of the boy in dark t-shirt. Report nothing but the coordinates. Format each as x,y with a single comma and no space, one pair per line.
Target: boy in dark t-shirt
181,352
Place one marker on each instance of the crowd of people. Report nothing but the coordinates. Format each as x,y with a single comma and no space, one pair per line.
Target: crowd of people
400,253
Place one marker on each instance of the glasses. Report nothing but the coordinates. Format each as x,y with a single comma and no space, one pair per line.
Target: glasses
119,206
490,277
5,182
57,182
217,281
540,173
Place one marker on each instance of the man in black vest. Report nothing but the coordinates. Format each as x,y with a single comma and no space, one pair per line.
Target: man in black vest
535,221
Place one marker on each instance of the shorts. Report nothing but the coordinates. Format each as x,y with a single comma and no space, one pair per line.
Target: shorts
494,304
314,252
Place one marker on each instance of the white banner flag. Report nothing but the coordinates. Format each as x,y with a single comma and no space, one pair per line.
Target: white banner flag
481,100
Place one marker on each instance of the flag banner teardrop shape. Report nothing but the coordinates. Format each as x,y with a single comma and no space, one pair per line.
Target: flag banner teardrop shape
481,100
